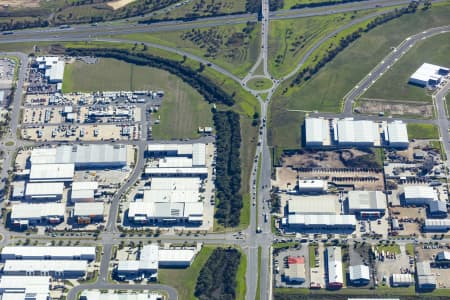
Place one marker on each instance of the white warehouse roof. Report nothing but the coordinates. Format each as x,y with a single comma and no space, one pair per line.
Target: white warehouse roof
45,265
84,185
312,205
334,265
176,255
37,211
312,184
180,149
176,171
420,192
327,220
175,183
198,154
89,209
44,189
97,295
82,194
357,131
359,272
175,162
397,133
317,131
171,196
366,200
39,252
47,172
21,287
427,72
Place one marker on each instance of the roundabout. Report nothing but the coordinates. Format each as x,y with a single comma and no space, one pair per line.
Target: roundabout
259,84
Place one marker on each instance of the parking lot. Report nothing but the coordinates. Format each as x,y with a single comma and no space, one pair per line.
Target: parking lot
7,67
429,252
392,259
280,261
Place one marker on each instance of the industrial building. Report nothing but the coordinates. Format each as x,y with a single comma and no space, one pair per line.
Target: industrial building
86,213
197,152
176,172
83,191
311,205
41,191
358,133
25,214
396,135
437,209
25,287
428,75
335,277
436,225
359,274
295,273
401,280
97,295
320,132
312,186
317,132
48,253
92,156
54,268
52,172
425,279
334,223
175,183
443,258
419,195
151,258
367,204
18,190
52,67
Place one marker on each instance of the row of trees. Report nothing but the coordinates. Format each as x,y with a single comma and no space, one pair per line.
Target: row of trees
306,73
276,4
228,168
323,3
217,279
203,85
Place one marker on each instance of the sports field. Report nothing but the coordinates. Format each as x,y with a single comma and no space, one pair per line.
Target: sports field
183,109
233,47
393,85
326,89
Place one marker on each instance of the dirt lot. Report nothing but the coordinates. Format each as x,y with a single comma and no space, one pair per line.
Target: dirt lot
20,3
409,217
395,108
119,3
442,273
327,165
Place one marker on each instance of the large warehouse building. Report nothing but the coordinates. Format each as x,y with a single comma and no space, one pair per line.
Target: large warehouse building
428,75
87,213
32,214
151,258
396,135
367,204
52,172
25,287
317,132
320,132
419,195
54,268
312,186
349,132
52,253
197,152
92,156
320,223
40,191
335,277
312,205
53,68
97,295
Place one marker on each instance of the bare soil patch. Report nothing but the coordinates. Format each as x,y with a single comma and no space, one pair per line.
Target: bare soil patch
119,3
394,108
19,3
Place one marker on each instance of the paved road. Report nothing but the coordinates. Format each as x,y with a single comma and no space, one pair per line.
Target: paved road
386,63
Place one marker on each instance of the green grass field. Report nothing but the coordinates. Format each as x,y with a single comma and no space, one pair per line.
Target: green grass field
325,90
183,109
240,277
201,8
184,280
422,131
290,39
391,248
393,85
259,84
227,46
289,3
